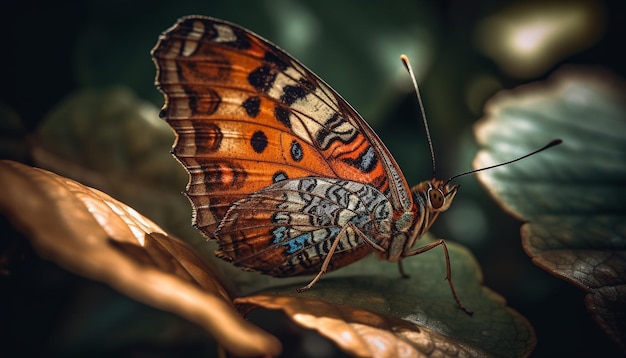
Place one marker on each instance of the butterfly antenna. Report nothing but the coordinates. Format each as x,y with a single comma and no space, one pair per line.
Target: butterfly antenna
407,65
552,143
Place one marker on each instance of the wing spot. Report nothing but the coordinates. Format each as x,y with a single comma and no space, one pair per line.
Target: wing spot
258,141
262,78
282,115
291,94
252,105
296,151
279,176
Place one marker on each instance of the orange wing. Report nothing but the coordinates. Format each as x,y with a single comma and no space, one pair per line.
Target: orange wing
248,115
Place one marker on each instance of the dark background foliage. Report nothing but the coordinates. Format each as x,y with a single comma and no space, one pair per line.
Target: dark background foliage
52,49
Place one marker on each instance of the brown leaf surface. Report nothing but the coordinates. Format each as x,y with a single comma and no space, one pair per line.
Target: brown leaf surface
360,332
91,234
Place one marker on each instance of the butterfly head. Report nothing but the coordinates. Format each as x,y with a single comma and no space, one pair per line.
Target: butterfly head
436,194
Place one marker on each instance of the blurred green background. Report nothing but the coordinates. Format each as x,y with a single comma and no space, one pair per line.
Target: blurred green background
463,52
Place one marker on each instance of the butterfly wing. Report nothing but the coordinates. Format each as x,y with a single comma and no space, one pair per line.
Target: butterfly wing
303,218
248,115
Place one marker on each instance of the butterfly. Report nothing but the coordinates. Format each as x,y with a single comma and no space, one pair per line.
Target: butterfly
284,173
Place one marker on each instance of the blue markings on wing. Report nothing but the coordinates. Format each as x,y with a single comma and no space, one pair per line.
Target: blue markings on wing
281,235
297,243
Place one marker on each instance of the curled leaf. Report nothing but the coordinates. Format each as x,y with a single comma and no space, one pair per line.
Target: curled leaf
424,300
91,234
360,332
572,197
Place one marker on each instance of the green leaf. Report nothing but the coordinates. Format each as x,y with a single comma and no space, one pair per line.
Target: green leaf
573,196
425,299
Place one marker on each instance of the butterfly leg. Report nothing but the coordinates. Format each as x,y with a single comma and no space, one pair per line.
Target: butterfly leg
344,231
403,274
442,243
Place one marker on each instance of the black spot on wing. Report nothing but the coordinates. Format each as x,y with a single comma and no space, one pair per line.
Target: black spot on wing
258,141
282,115
262,78
252,105
292,93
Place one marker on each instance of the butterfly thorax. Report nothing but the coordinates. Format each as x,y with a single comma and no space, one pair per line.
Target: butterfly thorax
430,198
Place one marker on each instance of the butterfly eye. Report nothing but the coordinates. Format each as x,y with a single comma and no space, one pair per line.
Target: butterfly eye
436,198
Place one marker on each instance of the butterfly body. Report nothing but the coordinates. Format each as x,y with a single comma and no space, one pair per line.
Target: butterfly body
285,174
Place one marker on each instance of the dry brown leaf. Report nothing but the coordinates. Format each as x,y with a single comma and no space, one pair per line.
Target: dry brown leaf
360,332
91,234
